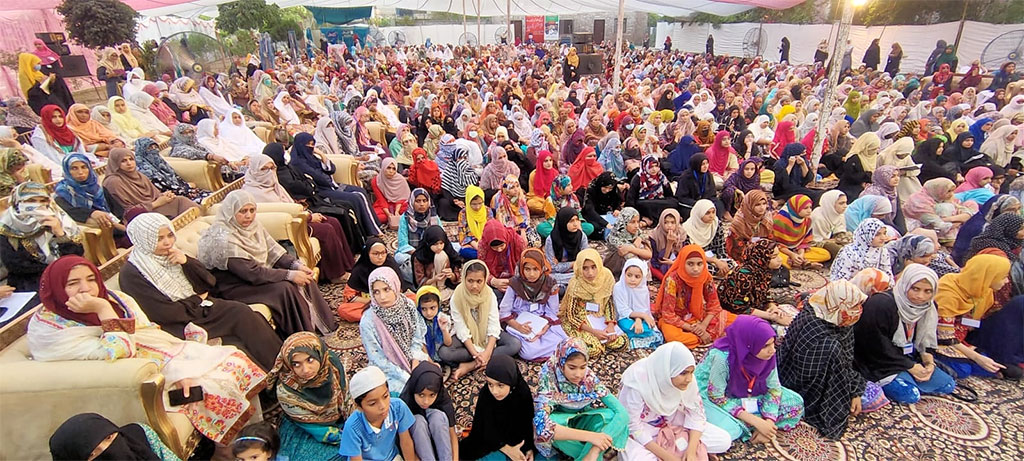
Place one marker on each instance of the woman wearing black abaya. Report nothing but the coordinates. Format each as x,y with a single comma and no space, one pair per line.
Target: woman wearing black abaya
696,183
784,50
601,198
872,56
929,154
305,191
81,435
503,420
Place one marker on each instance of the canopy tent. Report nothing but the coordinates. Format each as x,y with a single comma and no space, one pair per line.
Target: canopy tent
192,8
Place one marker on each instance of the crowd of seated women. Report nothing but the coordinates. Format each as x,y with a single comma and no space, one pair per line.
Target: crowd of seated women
497,190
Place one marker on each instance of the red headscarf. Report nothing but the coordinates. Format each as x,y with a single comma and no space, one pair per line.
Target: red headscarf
784,136
54,298
62,134
585,168
505,261
808,142
718,156
424,172
542,177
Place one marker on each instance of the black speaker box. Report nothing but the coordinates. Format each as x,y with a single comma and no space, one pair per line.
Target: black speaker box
74,66
591,64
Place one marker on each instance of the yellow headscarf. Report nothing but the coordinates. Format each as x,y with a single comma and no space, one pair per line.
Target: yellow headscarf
467,303
866,149
597,291
475,219
27,73
961,123
126,122
573,58
970,291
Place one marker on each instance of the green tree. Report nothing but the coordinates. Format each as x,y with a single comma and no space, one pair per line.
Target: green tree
98,23
246,14
259,16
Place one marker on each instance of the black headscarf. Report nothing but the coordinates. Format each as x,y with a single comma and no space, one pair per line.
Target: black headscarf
1001,234
427,375
359,277
497,423
562,241
432,235
77,437
932,161
966,157
874,354
701,185
601,202
449,126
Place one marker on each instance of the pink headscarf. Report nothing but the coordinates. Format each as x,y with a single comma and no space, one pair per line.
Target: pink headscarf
718,156
45,53
973,178
396,188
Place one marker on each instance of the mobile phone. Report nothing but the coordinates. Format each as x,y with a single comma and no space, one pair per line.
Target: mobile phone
177,397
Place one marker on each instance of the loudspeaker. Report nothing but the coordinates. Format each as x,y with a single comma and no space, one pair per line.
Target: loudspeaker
591,64
74,66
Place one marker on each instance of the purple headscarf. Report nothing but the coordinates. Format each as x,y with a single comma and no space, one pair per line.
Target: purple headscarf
743,340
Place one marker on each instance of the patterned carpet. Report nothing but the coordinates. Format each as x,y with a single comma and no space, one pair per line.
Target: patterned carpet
936,428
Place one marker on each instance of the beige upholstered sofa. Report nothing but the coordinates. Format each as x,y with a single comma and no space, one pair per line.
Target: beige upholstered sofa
36,397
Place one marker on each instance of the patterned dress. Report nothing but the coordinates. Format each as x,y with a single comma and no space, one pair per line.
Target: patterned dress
229,379
779,404
574,314
674,312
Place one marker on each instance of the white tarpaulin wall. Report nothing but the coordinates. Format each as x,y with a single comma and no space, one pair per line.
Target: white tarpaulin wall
917,41
444,33
487,7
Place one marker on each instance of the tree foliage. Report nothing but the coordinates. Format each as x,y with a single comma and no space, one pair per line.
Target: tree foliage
879,12
259,16
99,23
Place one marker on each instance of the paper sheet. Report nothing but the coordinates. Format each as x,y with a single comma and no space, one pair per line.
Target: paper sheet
537,323
14,305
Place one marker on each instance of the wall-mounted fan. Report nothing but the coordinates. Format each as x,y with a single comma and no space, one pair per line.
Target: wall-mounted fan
396,38
501,35
754,42
190,54
375,38
1008,47
468,39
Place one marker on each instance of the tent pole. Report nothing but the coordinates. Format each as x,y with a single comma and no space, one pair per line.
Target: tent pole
508,23
960,30
833,78
618,48
479,36
464,16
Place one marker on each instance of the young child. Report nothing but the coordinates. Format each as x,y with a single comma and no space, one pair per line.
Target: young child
531,300
632,300
564,415
439,324
256,442
433,431
380,425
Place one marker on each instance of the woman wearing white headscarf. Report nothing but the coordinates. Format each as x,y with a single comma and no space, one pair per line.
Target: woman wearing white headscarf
213,97
285,109
183,94
666,413
234,131
898,154
999,144
139,104
135,80
326,137
172,288
207,134
762,133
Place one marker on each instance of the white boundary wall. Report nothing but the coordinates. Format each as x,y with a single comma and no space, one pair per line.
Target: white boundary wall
917,41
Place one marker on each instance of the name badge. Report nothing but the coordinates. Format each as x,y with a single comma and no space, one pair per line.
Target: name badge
750,405
534,307
755,239
969,322
593,307
908,349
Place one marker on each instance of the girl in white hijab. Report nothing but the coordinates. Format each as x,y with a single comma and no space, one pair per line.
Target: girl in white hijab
234,131
828,221
762,134
134,82
285,109
138,104
208,136
666,413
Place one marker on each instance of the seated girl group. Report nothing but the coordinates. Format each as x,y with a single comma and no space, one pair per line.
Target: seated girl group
854,346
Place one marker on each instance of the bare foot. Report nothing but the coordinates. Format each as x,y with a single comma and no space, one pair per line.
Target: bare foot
463,370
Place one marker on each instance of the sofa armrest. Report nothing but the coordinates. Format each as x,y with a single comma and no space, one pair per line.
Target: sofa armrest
205,175
346,169
98,243
37,397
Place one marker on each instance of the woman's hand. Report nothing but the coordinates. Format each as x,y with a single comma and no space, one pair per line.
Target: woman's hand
513,452
766,428
317,218
5,291
52,223
920,373
102,218
300,278
176,256
638,327
987,363
600,440
855,406
85,303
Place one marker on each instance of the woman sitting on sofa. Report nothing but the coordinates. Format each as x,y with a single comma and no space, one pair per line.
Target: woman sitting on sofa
82,320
